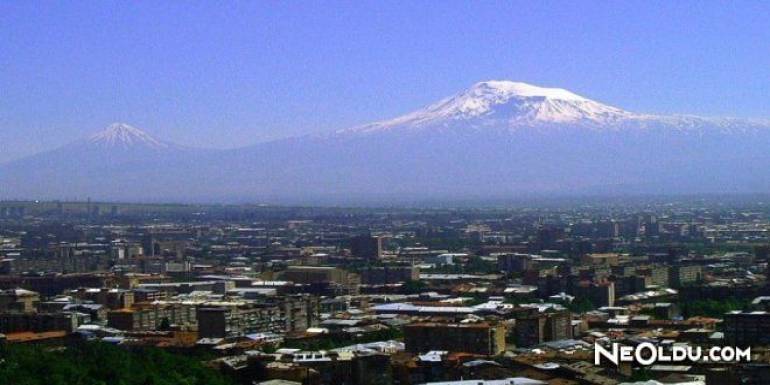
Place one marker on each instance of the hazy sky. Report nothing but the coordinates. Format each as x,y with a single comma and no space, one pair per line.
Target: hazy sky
227,74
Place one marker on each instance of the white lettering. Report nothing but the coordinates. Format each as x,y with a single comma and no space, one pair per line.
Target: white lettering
647,353
600,351
640,353
679,353
743,354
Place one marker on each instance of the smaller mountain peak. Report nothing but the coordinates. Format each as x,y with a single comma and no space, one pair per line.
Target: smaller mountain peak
520,89
125,135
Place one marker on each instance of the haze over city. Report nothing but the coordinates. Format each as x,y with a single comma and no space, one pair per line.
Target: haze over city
384,193
223,76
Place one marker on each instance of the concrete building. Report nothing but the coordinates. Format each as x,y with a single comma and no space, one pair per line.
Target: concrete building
604,259
150,316
600,294
682,275
228,319
658,274
111,298
747,328
37,322
534,327
316,274
331,280
381,275
478,338
366,246
18,300
513,262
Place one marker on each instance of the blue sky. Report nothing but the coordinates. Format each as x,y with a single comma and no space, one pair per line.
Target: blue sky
224,74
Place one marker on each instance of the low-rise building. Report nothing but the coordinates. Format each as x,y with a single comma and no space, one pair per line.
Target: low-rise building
18,300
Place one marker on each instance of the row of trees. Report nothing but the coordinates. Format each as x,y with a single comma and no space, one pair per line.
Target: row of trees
96,363
711,307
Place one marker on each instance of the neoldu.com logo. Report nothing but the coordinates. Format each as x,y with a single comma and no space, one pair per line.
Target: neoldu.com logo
647,354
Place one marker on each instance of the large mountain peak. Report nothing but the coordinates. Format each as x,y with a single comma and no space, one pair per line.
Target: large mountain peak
125,136
508,104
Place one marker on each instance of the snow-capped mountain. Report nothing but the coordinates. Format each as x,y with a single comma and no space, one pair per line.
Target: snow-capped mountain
119,161
507,104
503,104
496,139
125,136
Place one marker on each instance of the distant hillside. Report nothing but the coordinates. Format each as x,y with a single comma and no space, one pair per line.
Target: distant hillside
496,139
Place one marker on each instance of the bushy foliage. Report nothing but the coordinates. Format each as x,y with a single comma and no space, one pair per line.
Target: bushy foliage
414,287
711,307
581,305
96,363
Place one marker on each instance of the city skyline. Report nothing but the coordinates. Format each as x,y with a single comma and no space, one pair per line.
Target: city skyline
384,193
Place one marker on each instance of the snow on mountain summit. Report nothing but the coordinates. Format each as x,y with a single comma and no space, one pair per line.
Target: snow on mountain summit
510,104
515,106
125,136
510,88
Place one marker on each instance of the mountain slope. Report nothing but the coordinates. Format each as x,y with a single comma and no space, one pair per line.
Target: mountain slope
506,104
497,139
119,162
510,105
503,139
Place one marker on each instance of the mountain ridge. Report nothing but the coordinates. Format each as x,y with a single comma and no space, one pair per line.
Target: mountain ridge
513,105
496,138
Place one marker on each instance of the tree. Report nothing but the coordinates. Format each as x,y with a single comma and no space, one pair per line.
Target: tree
581,305
97,363
414,287
165,324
